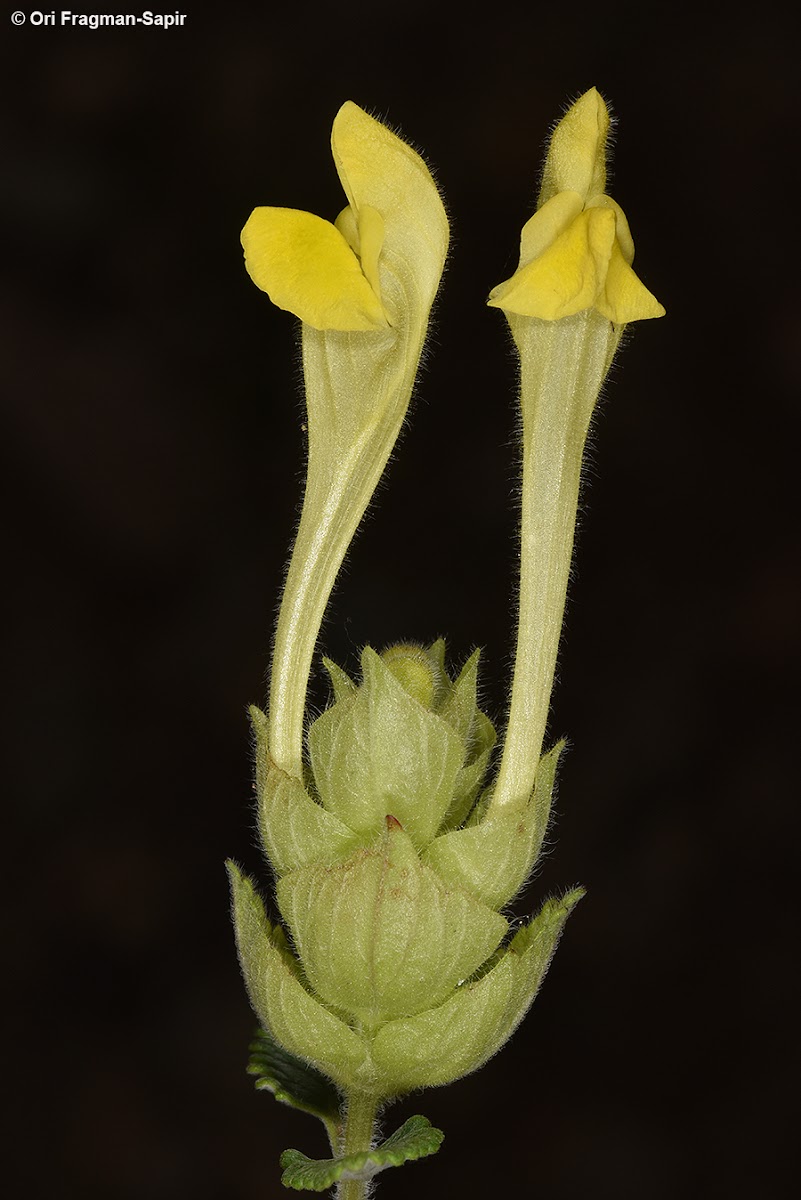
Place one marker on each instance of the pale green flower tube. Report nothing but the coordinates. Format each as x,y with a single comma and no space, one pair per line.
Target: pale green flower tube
567,305
562,367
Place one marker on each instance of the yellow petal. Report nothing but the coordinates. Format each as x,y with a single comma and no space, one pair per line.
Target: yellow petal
568,276
371,240
381,172
547,224
306,266
348,226
365,236
625,240
623,298
576,159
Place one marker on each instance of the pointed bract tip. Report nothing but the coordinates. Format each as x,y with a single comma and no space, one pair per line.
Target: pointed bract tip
571,898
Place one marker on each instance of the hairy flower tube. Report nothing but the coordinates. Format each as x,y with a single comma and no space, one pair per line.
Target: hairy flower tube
395,849
567,306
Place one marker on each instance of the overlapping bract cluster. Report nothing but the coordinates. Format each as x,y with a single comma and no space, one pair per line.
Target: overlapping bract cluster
391,869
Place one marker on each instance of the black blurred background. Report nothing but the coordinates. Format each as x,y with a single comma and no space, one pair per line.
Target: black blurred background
154,457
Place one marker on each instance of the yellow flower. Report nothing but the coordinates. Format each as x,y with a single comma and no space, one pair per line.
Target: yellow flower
576,251
330,274
363,288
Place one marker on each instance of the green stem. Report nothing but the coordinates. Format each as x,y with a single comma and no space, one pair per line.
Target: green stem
562,367
359,1130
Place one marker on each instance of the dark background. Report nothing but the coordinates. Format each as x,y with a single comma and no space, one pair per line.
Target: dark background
153,458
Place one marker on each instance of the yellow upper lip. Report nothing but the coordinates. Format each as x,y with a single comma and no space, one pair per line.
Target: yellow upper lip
329,274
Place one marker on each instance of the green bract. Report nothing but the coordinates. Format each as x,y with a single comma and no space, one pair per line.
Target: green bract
390,878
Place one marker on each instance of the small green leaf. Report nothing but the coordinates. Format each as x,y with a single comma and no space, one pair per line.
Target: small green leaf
341,683
384,908
458,1037
382,744
416,1138
459,709
291,1080
294,829
492,857
280,1000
